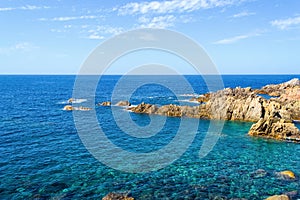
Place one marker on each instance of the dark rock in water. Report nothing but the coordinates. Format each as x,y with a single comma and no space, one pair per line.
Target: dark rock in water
117,196
105,103
260,173
291,194
123,103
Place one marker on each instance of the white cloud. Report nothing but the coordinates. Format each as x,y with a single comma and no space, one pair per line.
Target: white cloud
236,38
157,22
286,23
18,47
70,18
99,32
171,6
26,7
97,37
243,14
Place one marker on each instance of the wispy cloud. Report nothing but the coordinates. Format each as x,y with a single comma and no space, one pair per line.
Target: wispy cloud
286,23
18,47
99,32
243,14
26,7
171,6
70,18
237,38
157,22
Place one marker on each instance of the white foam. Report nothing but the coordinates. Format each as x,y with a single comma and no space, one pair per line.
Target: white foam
186,100
189,95
78,100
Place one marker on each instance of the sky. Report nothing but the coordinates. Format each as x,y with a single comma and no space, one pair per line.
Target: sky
240,36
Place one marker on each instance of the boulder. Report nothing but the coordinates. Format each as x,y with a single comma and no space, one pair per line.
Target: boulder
117,196
275,128
68,108
286,175
278,197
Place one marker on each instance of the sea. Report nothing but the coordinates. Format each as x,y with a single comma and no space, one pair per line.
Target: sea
43,155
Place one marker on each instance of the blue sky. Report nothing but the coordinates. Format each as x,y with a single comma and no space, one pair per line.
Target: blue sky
241,36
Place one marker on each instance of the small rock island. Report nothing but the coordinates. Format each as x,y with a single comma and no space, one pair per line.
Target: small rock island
274,117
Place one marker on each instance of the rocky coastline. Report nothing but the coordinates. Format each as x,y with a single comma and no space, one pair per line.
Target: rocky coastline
273,117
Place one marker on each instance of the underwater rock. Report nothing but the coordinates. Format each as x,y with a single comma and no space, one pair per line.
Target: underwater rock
55,187
260,173
123,103
278,197
117,196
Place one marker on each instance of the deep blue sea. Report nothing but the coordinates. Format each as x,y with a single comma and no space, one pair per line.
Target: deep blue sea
43,157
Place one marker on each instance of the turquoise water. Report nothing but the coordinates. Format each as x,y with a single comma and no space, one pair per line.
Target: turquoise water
42,156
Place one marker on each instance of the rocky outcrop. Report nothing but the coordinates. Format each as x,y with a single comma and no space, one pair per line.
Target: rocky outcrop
117,196
273,117
279,89
144,108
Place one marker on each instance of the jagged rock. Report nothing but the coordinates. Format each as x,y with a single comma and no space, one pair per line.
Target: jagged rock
276,128
202,98
144,108
279,89
123,103
278,197
105,103
117,196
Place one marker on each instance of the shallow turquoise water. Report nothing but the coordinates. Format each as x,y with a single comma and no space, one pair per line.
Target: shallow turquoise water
42,156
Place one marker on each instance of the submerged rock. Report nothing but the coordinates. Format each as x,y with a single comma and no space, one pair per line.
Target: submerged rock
260,173
278,197
117,196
